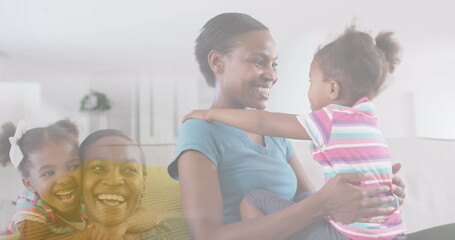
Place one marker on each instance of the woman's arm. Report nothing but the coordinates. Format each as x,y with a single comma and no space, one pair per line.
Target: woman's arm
304,184
203,207
142,220
346,203
203,204
398,183
255,121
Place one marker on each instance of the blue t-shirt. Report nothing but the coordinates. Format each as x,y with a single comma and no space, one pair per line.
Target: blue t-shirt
242,164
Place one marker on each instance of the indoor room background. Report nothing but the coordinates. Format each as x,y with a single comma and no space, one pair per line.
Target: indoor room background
139,54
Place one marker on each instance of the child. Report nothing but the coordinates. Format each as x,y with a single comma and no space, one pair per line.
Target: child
48,159
345,74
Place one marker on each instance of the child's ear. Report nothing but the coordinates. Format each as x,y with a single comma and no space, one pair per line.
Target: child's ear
216,61
28,184
334,89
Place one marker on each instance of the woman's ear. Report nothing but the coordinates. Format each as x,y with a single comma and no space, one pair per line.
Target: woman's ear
216,63
28,184
334,89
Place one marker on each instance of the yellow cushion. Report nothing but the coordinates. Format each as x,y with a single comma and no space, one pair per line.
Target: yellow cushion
162,195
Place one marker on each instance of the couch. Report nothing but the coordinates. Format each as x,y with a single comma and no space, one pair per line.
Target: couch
427,169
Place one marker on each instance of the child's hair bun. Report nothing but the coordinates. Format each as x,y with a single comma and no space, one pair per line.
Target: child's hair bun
8,130
390,48
69,126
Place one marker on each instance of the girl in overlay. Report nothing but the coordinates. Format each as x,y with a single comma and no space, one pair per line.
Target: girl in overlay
48,159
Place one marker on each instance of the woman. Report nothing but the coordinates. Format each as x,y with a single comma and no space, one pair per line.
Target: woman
113,176
218,164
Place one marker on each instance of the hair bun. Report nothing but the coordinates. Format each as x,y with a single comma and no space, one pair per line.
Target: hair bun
390,48
8,130
69,126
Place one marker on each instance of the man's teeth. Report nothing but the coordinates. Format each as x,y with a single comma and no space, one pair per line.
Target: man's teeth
114,197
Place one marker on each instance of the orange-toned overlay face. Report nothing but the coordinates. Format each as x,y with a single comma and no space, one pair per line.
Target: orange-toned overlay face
112,179
55,175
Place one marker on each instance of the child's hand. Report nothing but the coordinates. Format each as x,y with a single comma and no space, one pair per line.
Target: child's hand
101,232
199,114
132,236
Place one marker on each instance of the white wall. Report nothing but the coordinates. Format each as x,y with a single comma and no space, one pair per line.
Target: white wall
68,48
411,106
61,90
47,42
422,84
19,100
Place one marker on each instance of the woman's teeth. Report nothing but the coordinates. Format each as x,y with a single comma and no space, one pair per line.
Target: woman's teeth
265,91
111,199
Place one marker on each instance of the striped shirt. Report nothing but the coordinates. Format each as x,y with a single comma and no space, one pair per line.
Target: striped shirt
30,207
347,140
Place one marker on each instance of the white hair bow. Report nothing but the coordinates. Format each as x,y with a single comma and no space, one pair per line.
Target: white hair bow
15,152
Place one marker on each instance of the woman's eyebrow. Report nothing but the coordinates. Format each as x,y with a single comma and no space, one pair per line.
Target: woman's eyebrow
134,160
95,159
263,55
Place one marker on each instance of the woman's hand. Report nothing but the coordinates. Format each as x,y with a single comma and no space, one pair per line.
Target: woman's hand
199,114
398,184
347,203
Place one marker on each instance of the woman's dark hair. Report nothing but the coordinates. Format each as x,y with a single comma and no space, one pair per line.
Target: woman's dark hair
95,136
358,62
220,34
36,138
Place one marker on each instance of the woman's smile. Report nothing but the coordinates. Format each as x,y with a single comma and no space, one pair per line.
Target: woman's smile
249,72
113,179
264,91
111,199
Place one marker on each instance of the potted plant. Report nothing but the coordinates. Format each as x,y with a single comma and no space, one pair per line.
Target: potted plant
95,101
97,104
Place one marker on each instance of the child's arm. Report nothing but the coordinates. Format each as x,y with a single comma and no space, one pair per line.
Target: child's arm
141,221
101,232
39,231
255,121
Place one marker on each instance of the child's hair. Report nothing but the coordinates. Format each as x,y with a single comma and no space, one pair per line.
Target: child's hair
34,139
220,33
359,63
95,136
